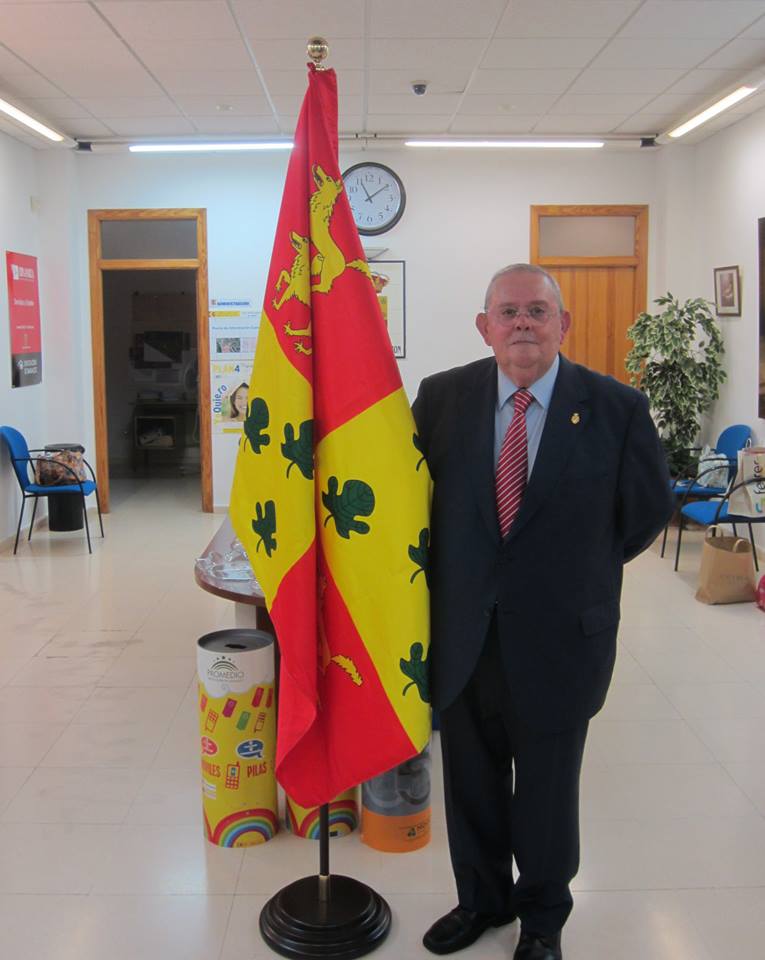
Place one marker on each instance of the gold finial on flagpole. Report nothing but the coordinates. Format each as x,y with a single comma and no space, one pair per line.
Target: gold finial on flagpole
318,50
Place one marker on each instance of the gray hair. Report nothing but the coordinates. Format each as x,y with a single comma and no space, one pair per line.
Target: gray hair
524,268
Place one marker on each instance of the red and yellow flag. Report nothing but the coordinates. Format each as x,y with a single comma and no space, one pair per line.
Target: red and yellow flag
331,495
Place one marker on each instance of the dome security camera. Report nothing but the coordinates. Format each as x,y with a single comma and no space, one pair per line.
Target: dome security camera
419,89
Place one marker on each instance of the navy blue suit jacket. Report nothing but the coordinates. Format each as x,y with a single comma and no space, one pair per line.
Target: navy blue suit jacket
598,494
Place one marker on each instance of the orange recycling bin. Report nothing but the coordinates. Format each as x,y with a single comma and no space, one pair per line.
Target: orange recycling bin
395,807
237,730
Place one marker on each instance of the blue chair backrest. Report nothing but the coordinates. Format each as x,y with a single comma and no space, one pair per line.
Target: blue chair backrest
18,448
733,439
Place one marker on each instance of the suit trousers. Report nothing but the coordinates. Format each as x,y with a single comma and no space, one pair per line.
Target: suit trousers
511,792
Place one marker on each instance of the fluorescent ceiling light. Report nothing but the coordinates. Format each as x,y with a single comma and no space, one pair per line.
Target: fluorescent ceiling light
529,144
712,111
204,147
30,121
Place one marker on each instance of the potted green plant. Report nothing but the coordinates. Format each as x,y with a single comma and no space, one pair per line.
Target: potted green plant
676,361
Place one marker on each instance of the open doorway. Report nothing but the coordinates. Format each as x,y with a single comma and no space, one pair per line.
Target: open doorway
150,347
151,355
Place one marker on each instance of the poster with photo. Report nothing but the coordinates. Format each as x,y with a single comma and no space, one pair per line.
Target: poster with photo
233,328
24,319
229,386
389,279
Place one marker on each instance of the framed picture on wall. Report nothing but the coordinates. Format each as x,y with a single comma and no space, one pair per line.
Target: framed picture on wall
727,292
389,279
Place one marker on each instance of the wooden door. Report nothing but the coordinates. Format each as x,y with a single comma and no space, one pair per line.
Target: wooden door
604,293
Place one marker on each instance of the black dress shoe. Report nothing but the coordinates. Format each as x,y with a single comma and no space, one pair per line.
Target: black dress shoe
459,928
534,946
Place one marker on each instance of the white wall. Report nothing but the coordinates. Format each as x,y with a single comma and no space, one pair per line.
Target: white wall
466,216
24,407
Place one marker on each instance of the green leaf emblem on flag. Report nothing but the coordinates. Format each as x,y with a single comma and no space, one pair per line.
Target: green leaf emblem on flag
355,499
255,422
299,451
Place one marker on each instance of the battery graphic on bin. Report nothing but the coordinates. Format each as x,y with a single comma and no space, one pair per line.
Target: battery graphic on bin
343,816
395,807
237,728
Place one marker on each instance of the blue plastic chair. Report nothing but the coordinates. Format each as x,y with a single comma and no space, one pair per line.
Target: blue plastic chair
711,512
730,441
21,460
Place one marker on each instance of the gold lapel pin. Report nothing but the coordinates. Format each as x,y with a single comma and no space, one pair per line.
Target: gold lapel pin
575,418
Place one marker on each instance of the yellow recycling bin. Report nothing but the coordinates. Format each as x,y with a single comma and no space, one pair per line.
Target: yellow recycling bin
237,728
343,816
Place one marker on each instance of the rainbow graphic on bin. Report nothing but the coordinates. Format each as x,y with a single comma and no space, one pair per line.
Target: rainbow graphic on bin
343,817
255,826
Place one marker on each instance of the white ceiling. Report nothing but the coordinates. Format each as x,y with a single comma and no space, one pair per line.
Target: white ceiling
117,69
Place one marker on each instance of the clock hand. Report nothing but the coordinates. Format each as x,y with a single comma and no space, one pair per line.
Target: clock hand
372,196
369,199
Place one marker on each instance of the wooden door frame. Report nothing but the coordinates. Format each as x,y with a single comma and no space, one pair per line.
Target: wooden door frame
97,265
639,258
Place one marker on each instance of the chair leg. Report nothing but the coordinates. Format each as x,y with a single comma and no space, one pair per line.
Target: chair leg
735,532
679,539
754,549
21,517
32,521
87,526
98,505
664,539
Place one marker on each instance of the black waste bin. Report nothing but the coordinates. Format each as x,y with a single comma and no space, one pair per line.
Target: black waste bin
65,509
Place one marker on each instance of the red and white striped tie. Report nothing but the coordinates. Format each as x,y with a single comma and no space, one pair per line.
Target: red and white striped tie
512,466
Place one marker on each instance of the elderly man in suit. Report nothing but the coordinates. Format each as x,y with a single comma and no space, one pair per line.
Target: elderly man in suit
548,478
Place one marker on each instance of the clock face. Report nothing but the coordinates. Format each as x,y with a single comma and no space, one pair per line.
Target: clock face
376,195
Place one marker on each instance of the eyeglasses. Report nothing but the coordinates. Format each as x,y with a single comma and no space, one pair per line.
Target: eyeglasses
536,313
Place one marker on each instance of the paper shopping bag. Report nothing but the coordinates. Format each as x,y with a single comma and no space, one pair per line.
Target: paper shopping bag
749,501
727,570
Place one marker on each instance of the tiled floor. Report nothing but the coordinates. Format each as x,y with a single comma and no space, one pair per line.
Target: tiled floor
101,846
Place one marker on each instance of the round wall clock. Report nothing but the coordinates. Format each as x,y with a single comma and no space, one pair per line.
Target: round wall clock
376,195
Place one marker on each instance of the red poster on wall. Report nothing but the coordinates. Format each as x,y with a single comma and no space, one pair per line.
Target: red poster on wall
24,316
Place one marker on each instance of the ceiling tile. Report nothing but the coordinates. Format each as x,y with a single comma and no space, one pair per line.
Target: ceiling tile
738,55
108,83
418,55
756,31
437,104
516,103
445,79
130,106
584,103
646,123
29,85
705,81
301,19
433,18
506,53
673,103
625,81
492,125
220,82
57,108
598,123
574,18
350,123
391,123
717,19
523,81
162,56
289,53
295,82
79,129
663,52
56,37
149,126
171,19
205,106
242,125
10,63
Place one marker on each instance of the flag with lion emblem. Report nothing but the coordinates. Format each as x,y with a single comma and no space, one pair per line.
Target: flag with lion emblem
331,494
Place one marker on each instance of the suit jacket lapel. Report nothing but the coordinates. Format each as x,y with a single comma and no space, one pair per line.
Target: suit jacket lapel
565,422
477,428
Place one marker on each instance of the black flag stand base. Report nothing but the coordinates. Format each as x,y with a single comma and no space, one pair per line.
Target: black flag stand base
332,917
